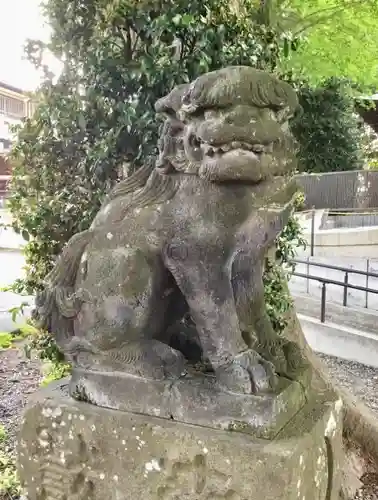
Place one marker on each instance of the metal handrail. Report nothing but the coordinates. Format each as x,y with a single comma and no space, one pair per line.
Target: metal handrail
325,282
336,268
328,281
341,211
347,272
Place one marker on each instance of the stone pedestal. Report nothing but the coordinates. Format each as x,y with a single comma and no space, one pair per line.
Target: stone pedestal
70,450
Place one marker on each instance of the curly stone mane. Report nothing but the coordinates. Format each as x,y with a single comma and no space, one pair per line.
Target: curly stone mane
144,188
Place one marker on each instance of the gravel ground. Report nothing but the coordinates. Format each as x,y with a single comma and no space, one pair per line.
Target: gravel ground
20,377
362,381
369,491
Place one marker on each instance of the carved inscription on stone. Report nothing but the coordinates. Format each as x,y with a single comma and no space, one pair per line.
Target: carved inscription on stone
196,480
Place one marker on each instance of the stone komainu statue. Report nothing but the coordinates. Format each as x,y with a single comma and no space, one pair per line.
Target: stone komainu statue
187,236
160,307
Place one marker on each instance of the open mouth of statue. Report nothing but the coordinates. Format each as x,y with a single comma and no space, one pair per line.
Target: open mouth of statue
215,151
220,150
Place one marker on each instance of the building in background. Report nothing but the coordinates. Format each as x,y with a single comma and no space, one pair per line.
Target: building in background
14,106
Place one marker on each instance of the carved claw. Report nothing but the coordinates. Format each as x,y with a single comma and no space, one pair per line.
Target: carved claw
275,355
294,357
171,361
248,373
286,356
148,358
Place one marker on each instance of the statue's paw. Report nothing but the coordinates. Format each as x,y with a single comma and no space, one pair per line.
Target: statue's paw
294,357
146,358
248,373
276,355
171,361
286,356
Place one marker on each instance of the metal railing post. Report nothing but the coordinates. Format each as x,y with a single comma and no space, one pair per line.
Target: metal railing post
367,283
312,232
345,298
323,304
308,272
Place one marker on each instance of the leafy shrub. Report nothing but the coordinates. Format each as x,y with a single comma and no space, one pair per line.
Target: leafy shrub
55,371
7,340
43,344
328,130
9,484
278,270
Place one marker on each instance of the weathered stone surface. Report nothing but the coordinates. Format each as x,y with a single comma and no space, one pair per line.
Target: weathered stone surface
188,234
194,400
70,450
181,387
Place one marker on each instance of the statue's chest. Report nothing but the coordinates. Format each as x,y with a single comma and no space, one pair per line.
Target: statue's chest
211,206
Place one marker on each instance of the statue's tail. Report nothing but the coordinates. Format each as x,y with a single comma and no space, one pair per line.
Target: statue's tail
58,304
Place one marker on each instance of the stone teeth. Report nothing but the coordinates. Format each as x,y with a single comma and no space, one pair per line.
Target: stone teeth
211,150
225,148
258,148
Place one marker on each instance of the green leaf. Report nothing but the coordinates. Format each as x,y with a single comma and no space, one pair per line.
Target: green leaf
187,19
177,19
5,340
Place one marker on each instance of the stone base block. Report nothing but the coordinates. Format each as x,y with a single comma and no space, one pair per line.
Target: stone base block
193,400
69,450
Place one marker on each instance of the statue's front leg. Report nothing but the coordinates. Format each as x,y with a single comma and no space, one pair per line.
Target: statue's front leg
258,331
204,280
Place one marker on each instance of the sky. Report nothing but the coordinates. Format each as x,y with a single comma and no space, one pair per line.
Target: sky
20,19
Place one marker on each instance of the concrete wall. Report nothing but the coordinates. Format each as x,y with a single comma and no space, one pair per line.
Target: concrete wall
348,333
347,242
356,242
345,343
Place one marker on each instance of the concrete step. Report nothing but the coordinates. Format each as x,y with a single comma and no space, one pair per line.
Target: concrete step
353,317
340,341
